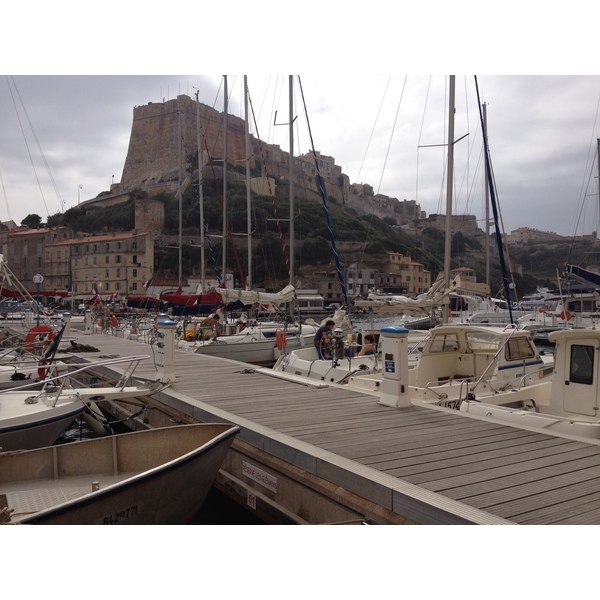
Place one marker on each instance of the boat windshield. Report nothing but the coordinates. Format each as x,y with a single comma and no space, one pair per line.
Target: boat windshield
444,343
482,340
519,348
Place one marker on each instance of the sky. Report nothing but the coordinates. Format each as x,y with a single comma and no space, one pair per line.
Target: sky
65,137
67,109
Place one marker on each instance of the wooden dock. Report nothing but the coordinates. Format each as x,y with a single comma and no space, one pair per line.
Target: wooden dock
327,454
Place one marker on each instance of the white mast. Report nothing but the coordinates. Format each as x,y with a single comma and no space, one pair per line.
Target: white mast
450,182
224,243
292,236
200,194
248,195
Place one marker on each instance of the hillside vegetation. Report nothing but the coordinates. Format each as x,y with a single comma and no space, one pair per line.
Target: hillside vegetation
363,240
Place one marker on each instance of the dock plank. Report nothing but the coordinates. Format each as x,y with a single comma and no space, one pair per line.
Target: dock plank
514,474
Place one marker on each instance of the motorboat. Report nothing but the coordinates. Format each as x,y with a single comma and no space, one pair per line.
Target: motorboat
32,418
457,360
561,397
150,477
566,403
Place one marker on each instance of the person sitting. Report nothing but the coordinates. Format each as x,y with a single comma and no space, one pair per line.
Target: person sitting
322,339
369,346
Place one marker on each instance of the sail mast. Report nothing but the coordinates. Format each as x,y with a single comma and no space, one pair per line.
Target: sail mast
292,237
248,195
450,182
179,193
200,194
224,242
487,206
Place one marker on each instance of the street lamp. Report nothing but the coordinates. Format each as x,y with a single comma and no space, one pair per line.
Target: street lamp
79,188
38,279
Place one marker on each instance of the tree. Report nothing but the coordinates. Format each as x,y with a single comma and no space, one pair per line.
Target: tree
33,221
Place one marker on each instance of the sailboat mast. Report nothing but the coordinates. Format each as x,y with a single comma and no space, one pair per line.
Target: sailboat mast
180,195
248,195
200,194
292,236
224,242
487,206
450,182
598,156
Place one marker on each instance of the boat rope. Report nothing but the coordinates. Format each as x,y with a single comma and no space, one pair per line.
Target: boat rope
229,233
321,186
494,208
271,194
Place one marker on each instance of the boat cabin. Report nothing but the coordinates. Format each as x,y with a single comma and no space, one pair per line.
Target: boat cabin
458,353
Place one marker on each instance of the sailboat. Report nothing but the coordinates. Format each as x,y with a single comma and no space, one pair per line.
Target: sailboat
258,343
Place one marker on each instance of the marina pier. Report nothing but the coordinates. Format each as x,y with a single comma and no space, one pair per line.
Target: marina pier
316,453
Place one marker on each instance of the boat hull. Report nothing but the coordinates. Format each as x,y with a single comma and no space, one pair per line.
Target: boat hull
37,428
154,477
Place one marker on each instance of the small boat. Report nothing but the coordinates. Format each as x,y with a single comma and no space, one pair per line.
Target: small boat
32,418
151,477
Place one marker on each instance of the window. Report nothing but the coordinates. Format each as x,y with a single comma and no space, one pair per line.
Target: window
581,365
133,273
118,258
444,343
519,349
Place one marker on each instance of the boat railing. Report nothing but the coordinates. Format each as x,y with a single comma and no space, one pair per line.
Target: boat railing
54,386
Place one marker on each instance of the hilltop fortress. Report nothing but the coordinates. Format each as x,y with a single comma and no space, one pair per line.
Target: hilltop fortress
153,165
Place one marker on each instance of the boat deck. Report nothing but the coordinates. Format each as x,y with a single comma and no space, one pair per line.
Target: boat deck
41,494
426,465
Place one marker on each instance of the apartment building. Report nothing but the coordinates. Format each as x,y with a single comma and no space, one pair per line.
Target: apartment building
117,263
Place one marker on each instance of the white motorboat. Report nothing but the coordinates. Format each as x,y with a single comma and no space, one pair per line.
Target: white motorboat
561,397
152,477
566,403
31,418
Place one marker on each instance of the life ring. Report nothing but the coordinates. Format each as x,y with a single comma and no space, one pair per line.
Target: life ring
565,315
37,335
113,321
281,339
99,322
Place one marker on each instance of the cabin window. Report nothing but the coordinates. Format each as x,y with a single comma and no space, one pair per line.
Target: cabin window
444,343
581,366
482,340
519,349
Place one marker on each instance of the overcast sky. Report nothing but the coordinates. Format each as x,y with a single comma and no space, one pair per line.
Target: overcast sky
65,137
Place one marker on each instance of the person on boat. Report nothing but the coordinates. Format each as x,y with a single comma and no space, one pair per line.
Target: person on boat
322,339
211,326
369,346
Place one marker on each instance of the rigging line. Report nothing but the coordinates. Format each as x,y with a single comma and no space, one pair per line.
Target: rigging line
27,146
362,164
420,137
392,133
321,186
273,204
42,154
585,182
230,234
494,208
5,197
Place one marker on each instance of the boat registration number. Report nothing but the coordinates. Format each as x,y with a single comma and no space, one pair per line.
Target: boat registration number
122,515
